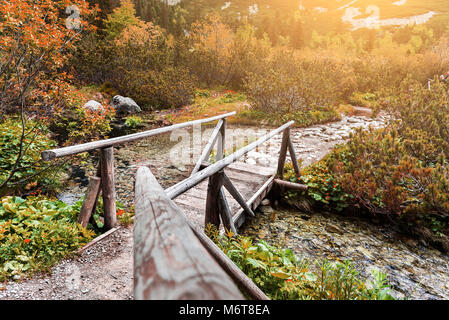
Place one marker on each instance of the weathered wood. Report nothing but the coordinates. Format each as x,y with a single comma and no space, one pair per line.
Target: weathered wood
290,185
236,195
89,201
212,214
221,141
225,211
254,201
210,145
283,153
170,262
94,207
229,266
291,150
108,187
192,181
80,148
96,240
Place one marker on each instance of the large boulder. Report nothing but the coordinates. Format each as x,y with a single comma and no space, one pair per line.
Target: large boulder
93,105
124,106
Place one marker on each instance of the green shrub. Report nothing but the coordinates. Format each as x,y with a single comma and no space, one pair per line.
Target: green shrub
31,173
399,172
282,275
35,233
133,122
202,93
367,100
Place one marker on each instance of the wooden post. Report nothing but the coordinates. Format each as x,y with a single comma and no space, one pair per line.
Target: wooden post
283,153
210,145
212,215
108,187
225,212
291,150
94,207
89,201
221,141
170,262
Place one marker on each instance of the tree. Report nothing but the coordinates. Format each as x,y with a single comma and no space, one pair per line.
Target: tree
297,35
34,40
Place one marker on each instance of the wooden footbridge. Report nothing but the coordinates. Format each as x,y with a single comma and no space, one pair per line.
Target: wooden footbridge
173,258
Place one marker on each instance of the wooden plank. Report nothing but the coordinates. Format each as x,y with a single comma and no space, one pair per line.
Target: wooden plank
80,148
210,145
195,179
196,203
89,201
97,239
253,178
108,187
249,168
170,262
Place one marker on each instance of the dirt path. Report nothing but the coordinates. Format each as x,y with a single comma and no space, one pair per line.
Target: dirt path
102,272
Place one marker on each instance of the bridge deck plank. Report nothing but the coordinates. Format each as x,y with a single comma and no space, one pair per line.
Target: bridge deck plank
246,178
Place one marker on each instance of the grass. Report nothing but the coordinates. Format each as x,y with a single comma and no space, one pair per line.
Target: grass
216,102
212,103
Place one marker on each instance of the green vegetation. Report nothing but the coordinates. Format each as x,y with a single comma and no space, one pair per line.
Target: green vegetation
399,172
283,276
25,171
35,233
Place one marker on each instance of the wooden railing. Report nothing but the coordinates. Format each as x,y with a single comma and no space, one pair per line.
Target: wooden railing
168,263
105,173
172,258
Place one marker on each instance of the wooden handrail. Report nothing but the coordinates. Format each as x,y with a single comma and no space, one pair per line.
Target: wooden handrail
106,168
101,144
170,262
196,178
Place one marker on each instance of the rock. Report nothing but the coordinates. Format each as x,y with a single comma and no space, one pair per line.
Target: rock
333,229
125,106
265,202
266,209
93,105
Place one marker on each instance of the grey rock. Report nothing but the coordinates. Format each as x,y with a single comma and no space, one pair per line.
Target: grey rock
93,105
125,106
266,209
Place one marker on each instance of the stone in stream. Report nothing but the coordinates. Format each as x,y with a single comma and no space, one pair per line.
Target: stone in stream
333,229
266,209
